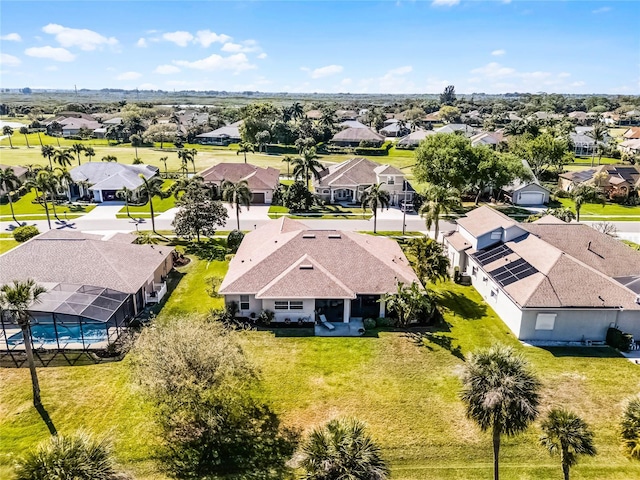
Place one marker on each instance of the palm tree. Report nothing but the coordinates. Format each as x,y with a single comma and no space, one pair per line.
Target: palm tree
164,160
89,152
630,427
77,456
152,187
373,197
438,200
41,183
183,184
598,133
296,110
244,147
64,179
288,159
340,450
9,182
305,164
194,152
110,158
237,194
500,394
565,433
16,298
429,261
8,131
187,155
78,148
585,193
24,131
63,157
48,152
126,194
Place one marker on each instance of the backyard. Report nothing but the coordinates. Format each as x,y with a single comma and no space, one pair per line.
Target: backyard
403,385
26,209
611,212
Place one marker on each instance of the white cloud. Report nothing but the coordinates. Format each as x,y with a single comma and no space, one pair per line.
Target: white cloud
128,76
53,53
399,71
166,69
564,75
601,10
346,81
445,3
578,84
246,46
11,37
141,43
493,70
262,56
180,38
148,86
326,71
207,37
235,63
7,60
82,38
498,53
52,68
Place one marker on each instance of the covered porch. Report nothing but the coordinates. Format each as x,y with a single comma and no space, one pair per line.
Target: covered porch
339,317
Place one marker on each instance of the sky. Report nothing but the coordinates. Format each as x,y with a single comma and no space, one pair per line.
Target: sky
393,46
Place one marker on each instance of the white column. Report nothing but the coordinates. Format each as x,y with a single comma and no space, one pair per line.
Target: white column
347,310
382,309
332,195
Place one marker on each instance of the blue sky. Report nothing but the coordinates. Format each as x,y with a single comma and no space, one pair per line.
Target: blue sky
359,47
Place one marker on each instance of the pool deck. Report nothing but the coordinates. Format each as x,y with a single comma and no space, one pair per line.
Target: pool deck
354,328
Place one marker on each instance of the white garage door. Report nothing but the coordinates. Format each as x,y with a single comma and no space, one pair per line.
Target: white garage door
530,198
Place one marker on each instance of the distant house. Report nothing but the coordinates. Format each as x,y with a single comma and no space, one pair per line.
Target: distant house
18,171
102,180
314,114
347,181
221,136
527,193
305,275
632,133
343,115
414,138
352,124
460,128
613,180
583,143
631,146
394,129
95,288
431,118
71,126
352,137
549,280
261,181
490,139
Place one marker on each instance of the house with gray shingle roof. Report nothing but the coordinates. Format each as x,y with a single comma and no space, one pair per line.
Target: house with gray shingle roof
548,280
102,180
261,181
352,137
297,272
347,181
221,136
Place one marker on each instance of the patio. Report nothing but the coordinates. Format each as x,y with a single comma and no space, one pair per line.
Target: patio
354,328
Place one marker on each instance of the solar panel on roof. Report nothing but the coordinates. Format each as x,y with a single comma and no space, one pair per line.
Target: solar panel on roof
489,256
583,175
512,272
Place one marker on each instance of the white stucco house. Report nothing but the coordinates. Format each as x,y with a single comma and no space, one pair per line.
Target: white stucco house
102,180
549,280
297,272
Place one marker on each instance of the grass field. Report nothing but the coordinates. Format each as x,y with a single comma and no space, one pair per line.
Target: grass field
159,204
404,386
610,211
25,209
7,244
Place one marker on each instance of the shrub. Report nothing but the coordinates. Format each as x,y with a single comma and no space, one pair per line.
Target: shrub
618,339
266,317
385,322
22,234
630,428
234,239
369,323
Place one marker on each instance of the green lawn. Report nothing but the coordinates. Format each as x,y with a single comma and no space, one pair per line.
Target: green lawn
25,209
6,245
404,386
159,204
610,211
330,212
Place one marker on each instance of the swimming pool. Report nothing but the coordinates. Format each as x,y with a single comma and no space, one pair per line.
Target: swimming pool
46,333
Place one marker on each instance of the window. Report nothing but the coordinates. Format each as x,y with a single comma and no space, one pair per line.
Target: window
474,271
545,321
325,191
244,302
497,235
289,305
296,305
494,293
391,180
281,305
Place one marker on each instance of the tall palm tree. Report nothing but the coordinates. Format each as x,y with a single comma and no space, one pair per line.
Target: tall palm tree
16,298
585,193
110,158
48,151
288,159
89,152
41,183
187,155
164,160
429,261
568,435
297,111
78,148
8,131
136,141
9,182
25,131
126,194
183,184
307,164
244,147
341,450
64,179
500,394
438,200
373,197
152,187
63,157
237,194
598,133
194,153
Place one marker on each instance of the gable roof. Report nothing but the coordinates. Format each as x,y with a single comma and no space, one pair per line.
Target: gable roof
352,124
112,175
228,131
256,177
484,220
17,170
357,135
414,138
284,259
82,259
354,172
632,132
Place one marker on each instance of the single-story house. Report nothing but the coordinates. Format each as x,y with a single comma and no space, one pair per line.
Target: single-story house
631,146
343,115
527,193
261,181
613,180
352,124
94,287
549,280
394,130
632,133
352,137
102,180
490,139
461,128
347,181
221,136
299,273
414,138
431,118
71,126
19,172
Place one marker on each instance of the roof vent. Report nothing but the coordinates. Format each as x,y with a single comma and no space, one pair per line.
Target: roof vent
309,235
306,266
335,235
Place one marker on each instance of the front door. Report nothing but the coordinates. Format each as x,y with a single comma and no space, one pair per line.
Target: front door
332,309
366,306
